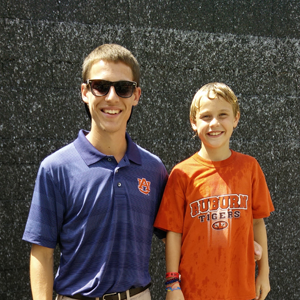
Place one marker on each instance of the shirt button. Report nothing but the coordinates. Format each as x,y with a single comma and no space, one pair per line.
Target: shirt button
119,184
109,159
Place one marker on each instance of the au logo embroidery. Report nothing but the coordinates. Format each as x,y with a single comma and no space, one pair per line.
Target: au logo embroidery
144,186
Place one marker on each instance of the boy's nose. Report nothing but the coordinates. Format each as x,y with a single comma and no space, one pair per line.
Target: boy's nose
214,122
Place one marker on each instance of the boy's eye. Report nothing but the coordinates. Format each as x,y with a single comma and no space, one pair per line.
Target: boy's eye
204,117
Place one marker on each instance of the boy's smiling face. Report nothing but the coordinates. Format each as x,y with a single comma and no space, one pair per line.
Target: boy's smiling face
214,125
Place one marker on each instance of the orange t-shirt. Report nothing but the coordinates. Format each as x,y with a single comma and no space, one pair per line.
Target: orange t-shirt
213,205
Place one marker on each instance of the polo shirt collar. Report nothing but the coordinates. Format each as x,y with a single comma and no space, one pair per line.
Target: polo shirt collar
91,155
132,151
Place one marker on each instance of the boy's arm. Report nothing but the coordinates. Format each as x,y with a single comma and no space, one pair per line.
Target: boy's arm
262,281
257,251
41,272
173,253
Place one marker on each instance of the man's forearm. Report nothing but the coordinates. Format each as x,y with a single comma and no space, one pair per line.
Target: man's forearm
41,272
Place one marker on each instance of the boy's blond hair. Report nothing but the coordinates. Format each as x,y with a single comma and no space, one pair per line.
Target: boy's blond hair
213,90
112,53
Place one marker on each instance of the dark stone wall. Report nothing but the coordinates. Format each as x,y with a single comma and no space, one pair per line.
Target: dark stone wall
253,46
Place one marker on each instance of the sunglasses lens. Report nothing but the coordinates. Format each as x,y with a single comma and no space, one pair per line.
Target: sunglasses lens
124,89
100,88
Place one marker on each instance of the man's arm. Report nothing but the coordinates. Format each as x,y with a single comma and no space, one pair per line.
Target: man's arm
262,280
173,253
41,272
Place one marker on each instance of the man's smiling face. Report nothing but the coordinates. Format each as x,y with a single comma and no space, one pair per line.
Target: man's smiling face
110,113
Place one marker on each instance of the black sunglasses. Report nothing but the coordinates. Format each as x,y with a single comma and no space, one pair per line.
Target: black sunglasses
124,89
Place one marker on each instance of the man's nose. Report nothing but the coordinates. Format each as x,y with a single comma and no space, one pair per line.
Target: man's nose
112,95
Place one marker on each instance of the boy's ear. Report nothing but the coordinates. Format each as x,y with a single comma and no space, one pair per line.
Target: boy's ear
193,124
237,118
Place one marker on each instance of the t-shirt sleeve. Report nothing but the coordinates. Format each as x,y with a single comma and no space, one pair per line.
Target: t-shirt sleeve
172,208
45,214
262,204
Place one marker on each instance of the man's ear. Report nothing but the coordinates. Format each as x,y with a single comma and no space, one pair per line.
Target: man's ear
137,95
84,91
85,99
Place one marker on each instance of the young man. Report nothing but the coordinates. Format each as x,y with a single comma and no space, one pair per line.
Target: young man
212,209
98,196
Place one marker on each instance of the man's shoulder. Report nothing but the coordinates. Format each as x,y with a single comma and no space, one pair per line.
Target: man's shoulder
146,154
59,157
151,162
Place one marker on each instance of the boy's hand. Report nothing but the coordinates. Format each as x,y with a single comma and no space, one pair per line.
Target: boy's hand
257,251
262,287
175,295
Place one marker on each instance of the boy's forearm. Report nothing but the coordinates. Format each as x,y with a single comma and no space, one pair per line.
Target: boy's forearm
173,251
41,272
260,236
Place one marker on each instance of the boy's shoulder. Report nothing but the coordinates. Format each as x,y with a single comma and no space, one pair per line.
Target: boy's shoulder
244,157
247,162
195,162
186,167
186,162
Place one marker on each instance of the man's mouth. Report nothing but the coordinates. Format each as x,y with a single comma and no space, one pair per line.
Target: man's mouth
111,111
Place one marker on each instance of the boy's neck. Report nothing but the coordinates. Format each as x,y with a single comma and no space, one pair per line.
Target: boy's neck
214,154
109,144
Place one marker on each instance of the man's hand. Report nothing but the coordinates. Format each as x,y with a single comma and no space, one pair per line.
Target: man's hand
257,251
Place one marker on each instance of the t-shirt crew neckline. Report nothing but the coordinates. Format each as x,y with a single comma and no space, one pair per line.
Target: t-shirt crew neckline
216,164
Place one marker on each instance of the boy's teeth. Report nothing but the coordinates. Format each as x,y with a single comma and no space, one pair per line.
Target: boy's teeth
110,111
214,133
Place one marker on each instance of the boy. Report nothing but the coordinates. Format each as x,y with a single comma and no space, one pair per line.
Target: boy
98,196
212,209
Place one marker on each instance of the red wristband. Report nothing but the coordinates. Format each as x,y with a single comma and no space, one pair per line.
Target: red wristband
172,274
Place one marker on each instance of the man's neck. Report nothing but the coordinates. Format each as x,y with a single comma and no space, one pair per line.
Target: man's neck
109,144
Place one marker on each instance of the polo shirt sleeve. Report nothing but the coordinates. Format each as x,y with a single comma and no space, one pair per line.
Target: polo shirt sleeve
262,204
46,211
161,234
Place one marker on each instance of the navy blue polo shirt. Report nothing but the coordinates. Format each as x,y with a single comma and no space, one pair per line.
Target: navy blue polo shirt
100,212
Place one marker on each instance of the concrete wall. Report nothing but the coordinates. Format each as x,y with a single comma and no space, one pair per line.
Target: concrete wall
251,45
